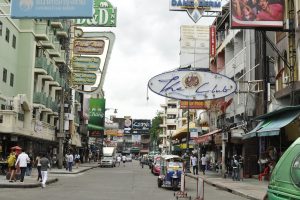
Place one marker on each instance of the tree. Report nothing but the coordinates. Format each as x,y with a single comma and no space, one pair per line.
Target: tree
155,128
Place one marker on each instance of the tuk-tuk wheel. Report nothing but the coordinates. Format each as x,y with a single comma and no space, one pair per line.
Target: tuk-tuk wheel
159,183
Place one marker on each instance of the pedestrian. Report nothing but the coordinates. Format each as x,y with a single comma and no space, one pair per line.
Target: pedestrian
241,164
77,160
29,165
194,164
22,160
90,156
235,168
38,166
70,159
45,164
119,160
203,163
11,161
66,161
124,160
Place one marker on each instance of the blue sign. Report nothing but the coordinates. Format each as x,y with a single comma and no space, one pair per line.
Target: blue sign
51,9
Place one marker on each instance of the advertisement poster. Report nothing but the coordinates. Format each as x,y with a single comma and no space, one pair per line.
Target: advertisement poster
96,116
257,13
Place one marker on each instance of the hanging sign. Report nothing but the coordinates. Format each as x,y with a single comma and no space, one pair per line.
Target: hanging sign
104,15
88,47
85,63
192,85
196,8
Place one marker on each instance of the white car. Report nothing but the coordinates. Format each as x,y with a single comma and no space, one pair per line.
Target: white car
128,158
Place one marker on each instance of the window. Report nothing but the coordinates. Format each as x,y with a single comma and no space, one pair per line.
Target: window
4,78
11,83
1,25
7,35
14,42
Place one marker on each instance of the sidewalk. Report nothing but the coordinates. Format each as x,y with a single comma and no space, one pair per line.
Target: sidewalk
249,188
31,182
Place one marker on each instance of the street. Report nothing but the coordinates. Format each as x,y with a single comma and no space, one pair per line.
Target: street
127,183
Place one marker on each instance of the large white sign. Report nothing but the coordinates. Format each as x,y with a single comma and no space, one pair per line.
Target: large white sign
192,85
194,46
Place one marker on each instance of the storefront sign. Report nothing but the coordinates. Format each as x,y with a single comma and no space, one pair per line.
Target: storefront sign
193,105
104,15
192,85
85,63
212,39
51,9
195,8
88,47
80,78
193,132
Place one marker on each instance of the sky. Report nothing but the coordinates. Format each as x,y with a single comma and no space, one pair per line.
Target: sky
147,44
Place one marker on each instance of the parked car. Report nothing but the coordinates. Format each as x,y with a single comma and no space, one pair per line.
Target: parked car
128,158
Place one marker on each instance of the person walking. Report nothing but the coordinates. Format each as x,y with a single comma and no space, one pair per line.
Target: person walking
77,160
203,163
22,160
70,160
29,165
45,164
11,161
194,164
124,160
38,166
119,160
235,169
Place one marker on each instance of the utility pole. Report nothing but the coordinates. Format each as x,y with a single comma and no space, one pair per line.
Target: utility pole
61,135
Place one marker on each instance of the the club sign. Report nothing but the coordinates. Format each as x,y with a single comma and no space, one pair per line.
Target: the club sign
192,85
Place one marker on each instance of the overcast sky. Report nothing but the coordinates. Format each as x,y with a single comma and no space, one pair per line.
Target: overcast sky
147,44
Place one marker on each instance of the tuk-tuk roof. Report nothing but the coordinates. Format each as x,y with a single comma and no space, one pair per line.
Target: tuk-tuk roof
168,157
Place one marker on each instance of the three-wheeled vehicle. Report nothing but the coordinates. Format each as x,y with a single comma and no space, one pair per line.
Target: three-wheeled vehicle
171,169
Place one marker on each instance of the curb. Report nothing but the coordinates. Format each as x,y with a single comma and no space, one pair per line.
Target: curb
80,171
27,185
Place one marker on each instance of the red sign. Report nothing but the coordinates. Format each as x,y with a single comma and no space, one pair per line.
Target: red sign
212,39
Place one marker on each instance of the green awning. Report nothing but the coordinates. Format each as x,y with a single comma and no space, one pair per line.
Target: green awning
272,125
135,150
252,133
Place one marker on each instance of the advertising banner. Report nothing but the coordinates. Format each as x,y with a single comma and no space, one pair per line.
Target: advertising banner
257,14
127,126
96,116
141,126
193,105
105,15
51,9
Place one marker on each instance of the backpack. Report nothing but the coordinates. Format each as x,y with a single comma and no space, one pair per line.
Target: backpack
11,160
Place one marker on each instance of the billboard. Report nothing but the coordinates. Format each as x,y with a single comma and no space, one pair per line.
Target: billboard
188,84
105,15
96,116
127,126
141,126
51,9
257,14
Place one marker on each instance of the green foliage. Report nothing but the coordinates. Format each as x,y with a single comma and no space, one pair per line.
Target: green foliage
156,129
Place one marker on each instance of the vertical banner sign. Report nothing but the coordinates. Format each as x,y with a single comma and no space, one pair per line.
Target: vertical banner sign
212,39
96,117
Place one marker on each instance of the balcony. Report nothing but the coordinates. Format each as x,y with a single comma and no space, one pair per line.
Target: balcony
235,65
41,31
41,65
61,59
55,52
56,24
40,98
171,121
63,32
43,130
48,44
172,111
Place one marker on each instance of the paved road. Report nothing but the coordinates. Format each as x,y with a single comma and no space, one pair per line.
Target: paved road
125,183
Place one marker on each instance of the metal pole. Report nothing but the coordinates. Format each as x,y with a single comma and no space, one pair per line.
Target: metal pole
188,138
61,135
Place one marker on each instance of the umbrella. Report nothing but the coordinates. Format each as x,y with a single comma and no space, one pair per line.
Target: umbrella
16,148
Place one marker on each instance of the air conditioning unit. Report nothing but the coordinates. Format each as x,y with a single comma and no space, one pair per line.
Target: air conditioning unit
286,80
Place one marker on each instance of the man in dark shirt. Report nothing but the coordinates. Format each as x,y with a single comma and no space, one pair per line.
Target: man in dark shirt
45,164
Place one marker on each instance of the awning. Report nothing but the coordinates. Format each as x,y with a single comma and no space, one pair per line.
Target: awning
272,126
206,137
95,127
182,130
272,123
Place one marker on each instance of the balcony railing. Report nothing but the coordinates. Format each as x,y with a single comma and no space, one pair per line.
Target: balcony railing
39,98
41,63
41,31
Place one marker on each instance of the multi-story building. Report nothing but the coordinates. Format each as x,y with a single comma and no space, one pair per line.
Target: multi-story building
33,65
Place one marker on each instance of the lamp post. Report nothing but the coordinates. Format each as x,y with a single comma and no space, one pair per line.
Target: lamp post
188,138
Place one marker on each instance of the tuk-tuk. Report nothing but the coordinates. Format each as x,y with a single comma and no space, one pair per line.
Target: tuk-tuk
171,169
285,179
